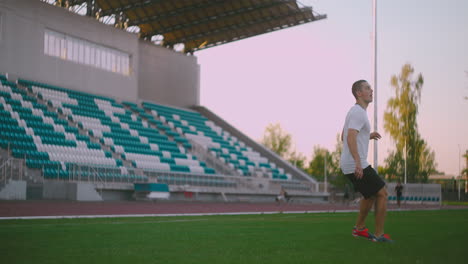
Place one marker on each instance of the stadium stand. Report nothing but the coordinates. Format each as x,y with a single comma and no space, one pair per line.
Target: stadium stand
62,130
124,133
221,144
60,136
47,142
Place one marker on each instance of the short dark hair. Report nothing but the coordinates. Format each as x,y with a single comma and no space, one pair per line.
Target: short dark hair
357,86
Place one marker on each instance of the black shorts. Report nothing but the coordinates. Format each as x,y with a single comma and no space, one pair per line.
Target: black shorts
369,184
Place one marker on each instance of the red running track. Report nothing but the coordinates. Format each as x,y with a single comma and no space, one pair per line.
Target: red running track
73,208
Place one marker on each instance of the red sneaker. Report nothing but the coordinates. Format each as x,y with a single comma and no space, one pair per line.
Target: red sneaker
362,233
383,238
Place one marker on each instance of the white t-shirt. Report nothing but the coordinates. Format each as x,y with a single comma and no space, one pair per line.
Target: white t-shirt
355,119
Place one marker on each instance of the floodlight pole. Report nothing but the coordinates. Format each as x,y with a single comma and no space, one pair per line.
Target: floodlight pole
405,161
325,172
459,171
375,82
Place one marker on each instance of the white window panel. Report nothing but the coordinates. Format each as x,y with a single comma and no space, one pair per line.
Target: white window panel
57,46
98,58
103,59
118,66
46,43
81,52
86,54
75,50
63,49
92,54
51,44
113,66
109,58
69,49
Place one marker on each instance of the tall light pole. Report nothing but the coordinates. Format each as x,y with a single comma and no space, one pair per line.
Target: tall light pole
405,161
466,167
459,171
325,171
375,81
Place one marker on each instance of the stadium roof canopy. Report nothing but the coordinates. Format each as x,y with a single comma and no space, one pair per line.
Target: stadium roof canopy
198,24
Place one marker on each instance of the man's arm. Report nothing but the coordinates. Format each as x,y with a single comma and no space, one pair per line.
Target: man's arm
352,145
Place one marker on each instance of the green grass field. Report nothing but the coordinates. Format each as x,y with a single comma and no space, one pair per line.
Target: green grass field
421,237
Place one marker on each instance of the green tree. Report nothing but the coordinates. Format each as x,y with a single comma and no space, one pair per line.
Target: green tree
465,171
298,159
337,177
335,168
400,121
316,166
277,140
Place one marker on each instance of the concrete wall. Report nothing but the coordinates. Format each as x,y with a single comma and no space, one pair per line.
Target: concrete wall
87,192
57,190
157,74
22,48
117,195
168,77
74,191
13,190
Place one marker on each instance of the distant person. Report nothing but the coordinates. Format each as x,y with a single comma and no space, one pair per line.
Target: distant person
399,193
356,135
283,196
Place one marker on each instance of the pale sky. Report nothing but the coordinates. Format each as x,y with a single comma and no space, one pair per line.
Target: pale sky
301,77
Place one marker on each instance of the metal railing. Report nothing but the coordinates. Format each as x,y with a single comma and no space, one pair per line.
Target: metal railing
270,155
11,169
235,183
212,161
103,174
191,179
417,192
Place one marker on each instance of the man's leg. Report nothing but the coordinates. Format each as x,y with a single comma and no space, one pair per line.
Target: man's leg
364,208
380,211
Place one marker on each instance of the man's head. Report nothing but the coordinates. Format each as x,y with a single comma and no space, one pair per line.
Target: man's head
362,91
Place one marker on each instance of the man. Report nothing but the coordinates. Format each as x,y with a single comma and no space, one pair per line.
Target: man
399,192
283,196
356,135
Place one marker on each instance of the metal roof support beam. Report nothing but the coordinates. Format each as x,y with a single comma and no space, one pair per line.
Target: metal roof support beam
210,45
306,12
128,7
176,12
76,2
268,30
91,8
231,13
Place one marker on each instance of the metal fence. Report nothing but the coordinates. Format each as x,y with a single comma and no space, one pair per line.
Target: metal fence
102,174
212,161
417,193
11,169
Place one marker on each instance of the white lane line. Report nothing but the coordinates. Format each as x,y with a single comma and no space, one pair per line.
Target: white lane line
199,214
109,223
